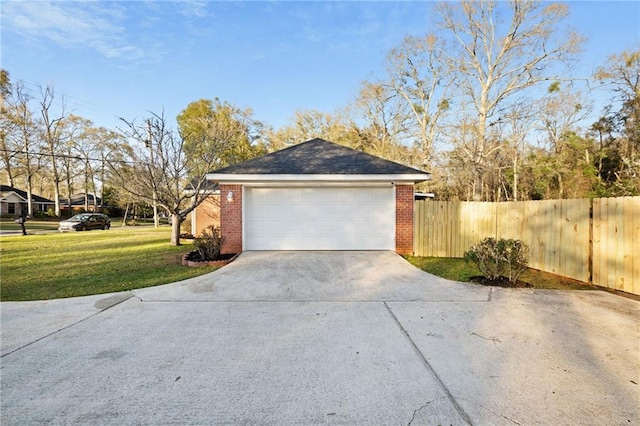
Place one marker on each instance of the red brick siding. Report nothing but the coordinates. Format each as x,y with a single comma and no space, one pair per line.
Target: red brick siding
231,219
404,219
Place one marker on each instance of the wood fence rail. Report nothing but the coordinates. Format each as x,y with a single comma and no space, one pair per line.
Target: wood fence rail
595,241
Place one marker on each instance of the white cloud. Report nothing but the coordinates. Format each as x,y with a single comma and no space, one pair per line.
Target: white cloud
93,25
194,8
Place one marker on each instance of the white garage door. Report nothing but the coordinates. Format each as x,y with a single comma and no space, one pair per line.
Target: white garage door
328,218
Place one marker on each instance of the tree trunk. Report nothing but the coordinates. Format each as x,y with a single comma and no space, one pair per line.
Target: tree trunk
156,218
515,178
95,194
69,189
102,184
126,213
86,193
29,196
560,186
56,198
176,221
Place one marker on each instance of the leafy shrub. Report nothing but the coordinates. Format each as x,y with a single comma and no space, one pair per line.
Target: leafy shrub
209,243
499,258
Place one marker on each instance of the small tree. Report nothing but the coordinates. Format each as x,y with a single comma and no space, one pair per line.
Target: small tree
154,168
169,169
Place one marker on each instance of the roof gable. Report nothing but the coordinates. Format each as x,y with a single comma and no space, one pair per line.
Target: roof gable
6,189
12,197
318,157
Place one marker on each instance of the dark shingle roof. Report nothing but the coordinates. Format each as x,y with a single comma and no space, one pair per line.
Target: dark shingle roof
207,185
78,199
319,157
34,198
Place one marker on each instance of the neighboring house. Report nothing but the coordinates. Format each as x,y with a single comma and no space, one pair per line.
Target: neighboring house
317,196
78,203
208,212
13,200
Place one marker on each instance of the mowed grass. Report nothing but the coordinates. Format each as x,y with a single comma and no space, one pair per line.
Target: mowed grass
457,269
30,225
51,266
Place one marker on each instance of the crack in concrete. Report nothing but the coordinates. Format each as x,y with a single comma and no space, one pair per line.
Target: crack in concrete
492,339
413,417
448,394
491,411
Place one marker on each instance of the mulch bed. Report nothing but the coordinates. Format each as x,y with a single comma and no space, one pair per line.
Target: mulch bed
500,282
193,259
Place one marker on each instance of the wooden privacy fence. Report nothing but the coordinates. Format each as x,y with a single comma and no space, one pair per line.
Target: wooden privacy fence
595,241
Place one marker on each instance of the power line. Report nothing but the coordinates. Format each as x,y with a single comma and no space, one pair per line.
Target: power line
67,156
63,100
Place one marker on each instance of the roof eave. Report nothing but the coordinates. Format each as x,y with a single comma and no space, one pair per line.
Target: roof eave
232,178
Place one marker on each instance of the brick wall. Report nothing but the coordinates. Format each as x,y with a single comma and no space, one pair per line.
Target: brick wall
231,218
206,214
404,219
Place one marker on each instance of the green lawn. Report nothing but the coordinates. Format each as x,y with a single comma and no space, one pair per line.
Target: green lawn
51,266
30,225
457,269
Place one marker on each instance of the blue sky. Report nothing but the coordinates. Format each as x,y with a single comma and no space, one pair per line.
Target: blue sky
125,58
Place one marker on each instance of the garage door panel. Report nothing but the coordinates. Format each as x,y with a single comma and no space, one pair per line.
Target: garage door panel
329,218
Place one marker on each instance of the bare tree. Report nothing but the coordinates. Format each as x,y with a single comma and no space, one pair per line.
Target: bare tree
622,124
7,126
94,145
418,74
24,140
560,111
170,168
52,136
386,121
309,124
494,61
70,162
518,124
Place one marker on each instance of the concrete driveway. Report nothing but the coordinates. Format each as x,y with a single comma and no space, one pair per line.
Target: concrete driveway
322,338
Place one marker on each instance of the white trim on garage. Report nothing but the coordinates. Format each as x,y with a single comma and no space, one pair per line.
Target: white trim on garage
242,179
319,217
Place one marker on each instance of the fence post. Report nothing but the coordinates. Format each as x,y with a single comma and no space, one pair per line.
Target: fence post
591,241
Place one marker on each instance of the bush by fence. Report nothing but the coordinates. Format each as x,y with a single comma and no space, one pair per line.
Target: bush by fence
595,241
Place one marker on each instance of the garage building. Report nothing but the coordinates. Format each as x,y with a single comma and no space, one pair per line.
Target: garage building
317,195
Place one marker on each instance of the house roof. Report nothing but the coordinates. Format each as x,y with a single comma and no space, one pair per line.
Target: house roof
78,199
207,186
321,160
6,189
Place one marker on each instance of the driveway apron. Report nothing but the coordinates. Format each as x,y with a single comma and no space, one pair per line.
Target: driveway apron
322,338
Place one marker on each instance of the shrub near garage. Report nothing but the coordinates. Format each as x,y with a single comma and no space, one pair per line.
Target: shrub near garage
209,243
498,259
